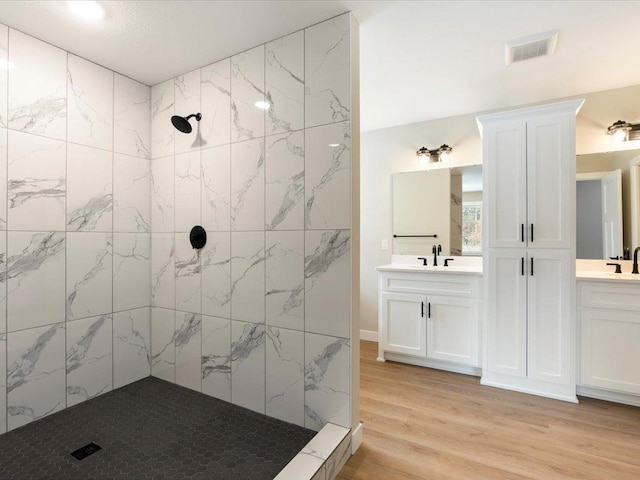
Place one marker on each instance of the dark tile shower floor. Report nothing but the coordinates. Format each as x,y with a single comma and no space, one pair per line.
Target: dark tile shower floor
152,429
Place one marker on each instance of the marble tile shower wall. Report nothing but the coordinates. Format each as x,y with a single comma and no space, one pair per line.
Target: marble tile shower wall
261,315
75,229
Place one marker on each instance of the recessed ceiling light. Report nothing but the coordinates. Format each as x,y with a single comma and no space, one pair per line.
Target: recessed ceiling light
334,145
6,65
262,105
88,10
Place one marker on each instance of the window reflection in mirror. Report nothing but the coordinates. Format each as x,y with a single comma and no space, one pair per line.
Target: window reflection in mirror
607,204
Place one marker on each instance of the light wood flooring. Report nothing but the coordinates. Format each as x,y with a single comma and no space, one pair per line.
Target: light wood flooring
421,423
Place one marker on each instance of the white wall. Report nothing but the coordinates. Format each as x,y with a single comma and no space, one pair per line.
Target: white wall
391,150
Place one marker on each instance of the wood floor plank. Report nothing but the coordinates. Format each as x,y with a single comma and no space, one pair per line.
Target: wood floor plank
425,424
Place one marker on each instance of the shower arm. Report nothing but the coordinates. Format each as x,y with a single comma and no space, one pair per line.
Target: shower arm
197,115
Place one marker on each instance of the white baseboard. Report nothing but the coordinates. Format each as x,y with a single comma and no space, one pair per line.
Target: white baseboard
617,397
369,335
356,438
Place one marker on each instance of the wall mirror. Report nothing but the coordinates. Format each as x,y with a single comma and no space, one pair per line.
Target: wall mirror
608,204
438,207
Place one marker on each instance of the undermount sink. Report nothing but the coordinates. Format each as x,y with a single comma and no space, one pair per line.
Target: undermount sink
439,268
607,275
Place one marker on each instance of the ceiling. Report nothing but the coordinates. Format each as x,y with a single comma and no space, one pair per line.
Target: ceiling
419,60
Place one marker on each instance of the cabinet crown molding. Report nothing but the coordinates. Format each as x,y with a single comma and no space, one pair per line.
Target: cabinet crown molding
569,106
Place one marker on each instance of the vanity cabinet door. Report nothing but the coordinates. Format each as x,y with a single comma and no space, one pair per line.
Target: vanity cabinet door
549,307
506,319
551,186
452,329
610,357
505,179
403,323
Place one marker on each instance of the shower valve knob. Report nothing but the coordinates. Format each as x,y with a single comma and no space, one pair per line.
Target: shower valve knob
198,237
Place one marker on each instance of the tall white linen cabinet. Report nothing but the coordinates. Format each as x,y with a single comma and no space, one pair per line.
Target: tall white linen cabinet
529,236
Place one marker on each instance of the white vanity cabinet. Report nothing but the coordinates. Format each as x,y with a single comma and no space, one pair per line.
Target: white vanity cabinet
609,325
430,318
529,232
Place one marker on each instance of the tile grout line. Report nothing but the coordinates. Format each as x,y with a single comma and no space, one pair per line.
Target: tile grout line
113,237
66,247
6,247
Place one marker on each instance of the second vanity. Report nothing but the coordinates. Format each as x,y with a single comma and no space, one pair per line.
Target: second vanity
432,317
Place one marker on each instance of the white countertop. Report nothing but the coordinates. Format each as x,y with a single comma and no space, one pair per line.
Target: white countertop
598,276
458,270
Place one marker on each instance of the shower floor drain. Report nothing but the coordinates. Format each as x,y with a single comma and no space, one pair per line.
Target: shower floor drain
85,451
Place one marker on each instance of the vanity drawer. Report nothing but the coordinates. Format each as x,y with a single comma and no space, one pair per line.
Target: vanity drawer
606,295
437,284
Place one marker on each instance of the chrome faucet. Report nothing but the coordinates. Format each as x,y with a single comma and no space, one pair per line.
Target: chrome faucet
635,260
436,250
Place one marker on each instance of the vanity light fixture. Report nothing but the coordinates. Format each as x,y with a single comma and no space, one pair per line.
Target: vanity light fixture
623,131
441,153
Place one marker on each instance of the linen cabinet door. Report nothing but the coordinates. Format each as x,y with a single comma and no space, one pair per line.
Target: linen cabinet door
551,182
505,180
549,316
506,319
404,323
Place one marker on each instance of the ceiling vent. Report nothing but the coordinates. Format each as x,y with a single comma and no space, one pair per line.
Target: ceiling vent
535,46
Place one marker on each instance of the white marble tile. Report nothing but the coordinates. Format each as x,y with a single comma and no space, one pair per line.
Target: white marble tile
89,358
216,275
37,86
188,274
131,267
35,374
327,72
321,474
3,179
247,88
162,194
284,83
338,458
248,365
162,109
326,441
247,185
37,182
216,357
4,78
285,279
327,282
247,276
89,189
35,269
216,189
90,110
215,125
188,344
163,279
163,349
327,381
187,197
302,467
3,383
187,93
284,187
131,346
328,176
285,375
131,194
131,118
89,274
3,286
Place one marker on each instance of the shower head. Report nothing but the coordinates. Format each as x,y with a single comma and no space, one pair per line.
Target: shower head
182,123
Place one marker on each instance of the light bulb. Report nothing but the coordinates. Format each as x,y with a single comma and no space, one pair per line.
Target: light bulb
444,156
620,135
